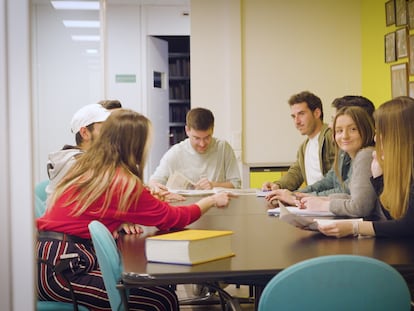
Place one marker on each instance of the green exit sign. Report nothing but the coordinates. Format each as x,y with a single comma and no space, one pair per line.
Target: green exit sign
125,78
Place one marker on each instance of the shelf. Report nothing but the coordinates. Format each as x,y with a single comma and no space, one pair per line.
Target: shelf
179,55
177,124
179,78
179,101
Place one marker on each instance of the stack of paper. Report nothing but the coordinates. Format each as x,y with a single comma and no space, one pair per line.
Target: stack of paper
298,211
307,223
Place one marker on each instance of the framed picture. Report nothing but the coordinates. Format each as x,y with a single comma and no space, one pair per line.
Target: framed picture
411,54
411,89
410,12
401,42
400,12
390,12
389,44
399,80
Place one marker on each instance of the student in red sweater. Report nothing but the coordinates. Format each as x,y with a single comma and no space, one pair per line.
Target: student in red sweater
105,184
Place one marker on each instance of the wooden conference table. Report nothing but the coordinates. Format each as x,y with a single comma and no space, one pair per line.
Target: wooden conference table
263,245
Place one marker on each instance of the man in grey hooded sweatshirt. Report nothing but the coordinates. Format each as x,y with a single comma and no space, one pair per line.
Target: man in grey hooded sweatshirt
85,124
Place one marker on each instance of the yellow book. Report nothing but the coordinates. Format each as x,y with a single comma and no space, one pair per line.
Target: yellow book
189,247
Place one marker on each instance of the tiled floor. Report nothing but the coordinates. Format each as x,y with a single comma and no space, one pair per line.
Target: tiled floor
186,291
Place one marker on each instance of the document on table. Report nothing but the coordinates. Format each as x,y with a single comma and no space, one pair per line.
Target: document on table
262,193
298,211
307,223
195,192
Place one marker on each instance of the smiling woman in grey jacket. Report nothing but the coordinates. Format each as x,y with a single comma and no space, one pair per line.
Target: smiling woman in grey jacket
350,195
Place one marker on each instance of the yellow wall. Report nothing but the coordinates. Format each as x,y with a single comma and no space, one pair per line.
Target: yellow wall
376,76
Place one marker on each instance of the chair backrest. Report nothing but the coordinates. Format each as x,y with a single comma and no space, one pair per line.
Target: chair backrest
40,207
40,190
55,305
109,261
40,198
337,282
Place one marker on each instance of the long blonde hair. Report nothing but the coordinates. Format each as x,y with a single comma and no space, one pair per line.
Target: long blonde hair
394,121
113,164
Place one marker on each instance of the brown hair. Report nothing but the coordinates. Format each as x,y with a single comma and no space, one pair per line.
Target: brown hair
364,124
200,119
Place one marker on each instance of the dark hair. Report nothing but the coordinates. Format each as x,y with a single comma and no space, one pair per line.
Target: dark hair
354,100
313,101
78,136
110,104
200,119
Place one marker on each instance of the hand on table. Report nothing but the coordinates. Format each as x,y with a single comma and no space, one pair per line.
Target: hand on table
128,228
320,204
203,184
268,186
338,229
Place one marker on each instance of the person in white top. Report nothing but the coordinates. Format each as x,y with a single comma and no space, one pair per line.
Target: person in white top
317,153
203,160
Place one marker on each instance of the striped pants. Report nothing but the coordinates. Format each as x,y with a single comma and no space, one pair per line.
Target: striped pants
87,282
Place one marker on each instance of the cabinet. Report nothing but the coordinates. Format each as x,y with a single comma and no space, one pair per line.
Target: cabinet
256,174
179,85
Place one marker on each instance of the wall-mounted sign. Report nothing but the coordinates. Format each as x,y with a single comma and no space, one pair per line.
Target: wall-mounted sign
125,78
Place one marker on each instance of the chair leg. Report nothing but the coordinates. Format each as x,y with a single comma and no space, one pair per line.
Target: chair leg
124,296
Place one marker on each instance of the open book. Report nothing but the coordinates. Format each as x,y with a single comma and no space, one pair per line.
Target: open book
307,223
178,181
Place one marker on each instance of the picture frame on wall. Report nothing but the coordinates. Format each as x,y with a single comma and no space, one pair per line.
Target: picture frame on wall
410,12
389,44
411,55
399,80
401,42
390,12
400,12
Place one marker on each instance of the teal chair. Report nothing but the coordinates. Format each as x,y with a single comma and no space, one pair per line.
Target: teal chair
58,306
337,282
40,190
40,207
40,198
110,264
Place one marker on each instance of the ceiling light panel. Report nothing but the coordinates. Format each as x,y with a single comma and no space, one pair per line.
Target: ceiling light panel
81,24
86,38
75,5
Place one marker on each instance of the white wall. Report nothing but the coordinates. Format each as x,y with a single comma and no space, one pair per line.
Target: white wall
16,184
286,47
65,79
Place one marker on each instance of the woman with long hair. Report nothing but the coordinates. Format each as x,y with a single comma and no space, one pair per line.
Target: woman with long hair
392,174
106,184
349,194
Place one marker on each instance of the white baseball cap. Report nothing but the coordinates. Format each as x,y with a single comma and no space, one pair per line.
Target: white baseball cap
87,115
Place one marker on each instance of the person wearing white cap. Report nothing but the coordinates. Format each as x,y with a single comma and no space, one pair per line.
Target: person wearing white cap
85,124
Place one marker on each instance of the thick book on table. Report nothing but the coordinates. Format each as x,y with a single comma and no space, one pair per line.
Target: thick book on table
189,247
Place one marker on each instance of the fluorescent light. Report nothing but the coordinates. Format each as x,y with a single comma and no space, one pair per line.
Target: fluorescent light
91,51
81,24
75,5
85,38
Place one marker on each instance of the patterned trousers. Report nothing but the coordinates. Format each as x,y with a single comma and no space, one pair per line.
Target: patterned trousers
86,279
